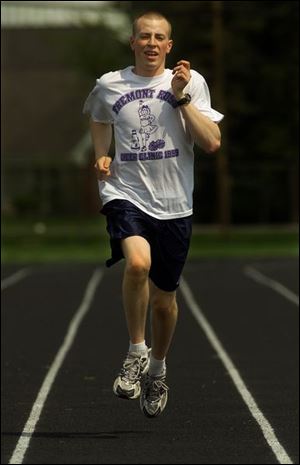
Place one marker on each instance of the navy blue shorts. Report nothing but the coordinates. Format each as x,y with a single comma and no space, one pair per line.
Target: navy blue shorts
169,240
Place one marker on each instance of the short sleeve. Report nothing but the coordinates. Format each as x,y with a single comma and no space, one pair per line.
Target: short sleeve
199,91
95,105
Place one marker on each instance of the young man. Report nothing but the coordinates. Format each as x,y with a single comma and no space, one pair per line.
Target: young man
157,115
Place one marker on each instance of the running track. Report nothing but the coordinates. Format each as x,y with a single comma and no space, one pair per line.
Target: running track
232,368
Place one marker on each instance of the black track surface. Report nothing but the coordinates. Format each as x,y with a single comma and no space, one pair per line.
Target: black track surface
205,421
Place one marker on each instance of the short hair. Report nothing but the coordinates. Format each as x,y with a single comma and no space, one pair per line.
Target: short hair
150,15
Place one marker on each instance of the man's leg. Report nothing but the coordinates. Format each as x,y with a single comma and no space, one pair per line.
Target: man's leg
163,320
135,285
135,299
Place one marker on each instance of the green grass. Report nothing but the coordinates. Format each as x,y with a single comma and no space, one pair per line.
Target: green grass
86,240
53,240
245,243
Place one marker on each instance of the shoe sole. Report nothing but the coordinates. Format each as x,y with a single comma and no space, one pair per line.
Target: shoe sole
151,416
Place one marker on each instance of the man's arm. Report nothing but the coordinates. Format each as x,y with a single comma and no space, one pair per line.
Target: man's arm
203,130
101,137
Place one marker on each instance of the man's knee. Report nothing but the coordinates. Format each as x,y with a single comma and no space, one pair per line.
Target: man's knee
138,267
137,255
164,304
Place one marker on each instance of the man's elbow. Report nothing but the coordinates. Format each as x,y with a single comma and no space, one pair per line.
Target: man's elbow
213,146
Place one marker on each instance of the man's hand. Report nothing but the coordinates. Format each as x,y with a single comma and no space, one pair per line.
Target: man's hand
181,78
102,165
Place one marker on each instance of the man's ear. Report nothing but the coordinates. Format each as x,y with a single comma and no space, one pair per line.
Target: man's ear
170,45
131,41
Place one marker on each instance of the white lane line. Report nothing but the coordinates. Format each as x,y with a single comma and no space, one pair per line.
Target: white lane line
275,285
257,414
24,440
14,278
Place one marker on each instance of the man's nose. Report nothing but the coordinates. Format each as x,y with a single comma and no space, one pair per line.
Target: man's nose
152,40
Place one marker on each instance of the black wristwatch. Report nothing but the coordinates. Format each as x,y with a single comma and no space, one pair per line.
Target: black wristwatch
186,99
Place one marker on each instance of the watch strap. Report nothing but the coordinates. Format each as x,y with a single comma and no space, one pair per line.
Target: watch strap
185,99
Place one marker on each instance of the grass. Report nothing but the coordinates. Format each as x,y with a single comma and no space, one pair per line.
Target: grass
245,243
54,240
86,240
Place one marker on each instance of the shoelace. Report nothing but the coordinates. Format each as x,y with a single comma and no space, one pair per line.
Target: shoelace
155,389
131,368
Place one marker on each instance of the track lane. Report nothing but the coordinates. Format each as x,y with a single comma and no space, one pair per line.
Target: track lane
34,316
83,422
205,421
260,330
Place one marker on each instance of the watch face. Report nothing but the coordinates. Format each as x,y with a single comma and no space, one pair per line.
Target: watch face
186,99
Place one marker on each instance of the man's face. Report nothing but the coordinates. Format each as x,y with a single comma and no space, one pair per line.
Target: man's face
151,44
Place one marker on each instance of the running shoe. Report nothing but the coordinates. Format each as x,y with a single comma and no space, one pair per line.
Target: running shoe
154,395
128,384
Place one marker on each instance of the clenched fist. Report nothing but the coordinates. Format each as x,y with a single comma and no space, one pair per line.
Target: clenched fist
182,76
102,165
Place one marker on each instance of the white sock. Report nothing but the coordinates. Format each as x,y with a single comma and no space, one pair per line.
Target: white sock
140,347
157,367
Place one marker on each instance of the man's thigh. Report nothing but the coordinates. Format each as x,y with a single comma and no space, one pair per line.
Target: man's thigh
136,249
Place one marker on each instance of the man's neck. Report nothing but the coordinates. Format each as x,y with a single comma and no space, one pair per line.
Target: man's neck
148,72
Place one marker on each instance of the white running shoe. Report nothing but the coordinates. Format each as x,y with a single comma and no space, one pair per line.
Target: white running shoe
154,395
128,384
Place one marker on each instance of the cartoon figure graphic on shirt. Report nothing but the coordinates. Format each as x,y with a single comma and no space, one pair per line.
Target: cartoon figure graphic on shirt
135,143
146,121
146,128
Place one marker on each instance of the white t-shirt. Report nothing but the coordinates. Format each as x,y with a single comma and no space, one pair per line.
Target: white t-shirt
153,165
